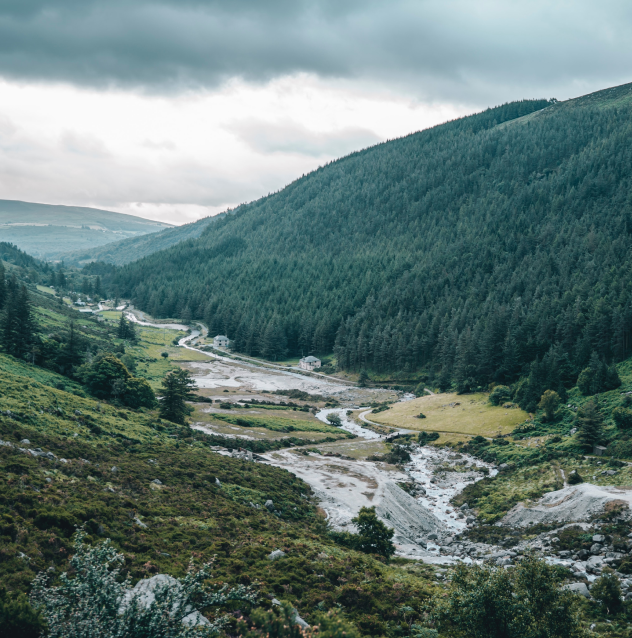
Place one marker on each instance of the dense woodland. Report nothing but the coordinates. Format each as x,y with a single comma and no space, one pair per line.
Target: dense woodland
468,251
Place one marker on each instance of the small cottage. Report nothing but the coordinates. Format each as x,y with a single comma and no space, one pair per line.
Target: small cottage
220,341
309,363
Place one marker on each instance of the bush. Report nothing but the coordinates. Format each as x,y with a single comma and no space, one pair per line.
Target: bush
334,419
17,618
574,478
425,437
421,415
500,394
597,377
550,402
483,602
623,418
607,590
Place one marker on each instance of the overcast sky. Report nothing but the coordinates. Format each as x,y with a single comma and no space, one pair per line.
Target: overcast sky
176,109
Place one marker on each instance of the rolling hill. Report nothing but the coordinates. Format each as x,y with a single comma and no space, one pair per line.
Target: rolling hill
471,251
45,231
133,248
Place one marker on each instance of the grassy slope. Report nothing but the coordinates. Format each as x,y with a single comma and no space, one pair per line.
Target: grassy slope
473,415
41,501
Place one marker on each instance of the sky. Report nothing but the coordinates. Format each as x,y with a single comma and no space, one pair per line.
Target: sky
178,109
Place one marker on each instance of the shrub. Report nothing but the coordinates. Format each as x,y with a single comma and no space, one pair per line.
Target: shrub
550,402
483,602
623,418
334,419
607,590
425,437
574,478
421,415
17,618
500,394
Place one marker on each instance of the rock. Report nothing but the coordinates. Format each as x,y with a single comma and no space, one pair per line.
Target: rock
573,431
503,466
165,554
49,480
564,554
578,588
217,482
269,505
464,507
140,523
582,554
78,412
628,596
596,548
432,537
277,553
157,482
504,561
598,538
115,469
25,442
469,520
144,595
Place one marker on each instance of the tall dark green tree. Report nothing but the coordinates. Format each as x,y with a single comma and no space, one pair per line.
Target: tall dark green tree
17,328
590,425
176,388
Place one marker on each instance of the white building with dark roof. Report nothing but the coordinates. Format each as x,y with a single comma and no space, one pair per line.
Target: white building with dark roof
309,363
220,341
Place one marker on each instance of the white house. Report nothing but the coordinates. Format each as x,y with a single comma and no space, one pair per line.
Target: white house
220,341
309,363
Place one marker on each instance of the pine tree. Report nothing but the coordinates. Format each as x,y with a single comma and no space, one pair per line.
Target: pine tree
175,390
590,424
3,286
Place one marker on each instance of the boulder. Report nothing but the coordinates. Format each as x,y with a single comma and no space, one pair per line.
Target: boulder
578,588
469,520
277,553
598,538
144,593
157,482
596,548
115,470
464,507
432,537
25,442
217,482
269,505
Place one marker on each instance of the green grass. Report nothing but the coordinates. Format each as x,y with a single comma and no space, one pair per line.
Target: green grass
277,424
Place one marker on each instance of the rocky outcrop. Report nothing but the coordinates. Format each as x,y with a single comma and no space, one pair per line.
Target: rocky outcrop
576,503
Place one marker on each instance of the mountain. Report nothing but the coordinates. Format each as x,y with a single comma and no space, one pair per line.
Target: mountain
45,231
126,250
470,251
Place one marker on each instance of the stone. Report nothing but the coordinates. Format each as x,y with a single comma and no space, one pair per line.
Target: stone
25,442
277,553
578,588
432,537
573,431
598,538
503,466
269,505
140,523
157,482
217,482
114,470
464,507
564,554
582,554
78,412
596,548
144,595
469,520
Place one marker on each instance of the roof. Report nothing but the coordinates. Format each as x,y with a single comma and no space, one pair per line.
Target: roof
310,359
221,337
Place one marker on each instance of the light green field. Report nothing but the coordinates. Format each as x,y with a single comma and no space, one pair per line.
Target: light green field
469,415
46,290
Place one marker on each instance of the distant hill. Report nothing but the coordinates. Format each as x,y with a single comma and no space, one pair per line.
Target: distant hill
126,250
45,231
470,251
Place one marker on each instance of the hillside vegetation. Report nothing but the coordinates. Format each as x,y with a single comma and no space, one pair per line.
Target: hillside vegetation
467,251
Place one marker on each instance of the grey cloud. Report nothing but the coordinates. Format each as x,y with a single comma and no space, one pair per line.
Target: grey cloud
441,49
291,137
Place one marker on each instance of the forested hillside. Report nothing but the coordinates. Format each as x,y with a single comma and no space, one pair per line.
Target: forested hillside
468,251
